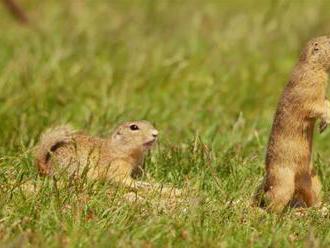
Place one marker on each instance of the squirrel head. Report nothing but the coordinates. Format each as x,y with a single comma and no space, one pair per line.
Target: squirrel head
135,135
317,52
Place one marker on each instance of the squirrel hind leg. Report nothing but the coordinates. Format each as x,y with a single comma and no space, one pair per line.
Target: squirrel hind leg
308,191
280,189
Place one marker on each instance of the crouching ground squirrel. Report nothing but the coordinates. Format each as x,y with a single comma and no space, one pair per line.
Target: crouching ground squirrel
119,157
290,177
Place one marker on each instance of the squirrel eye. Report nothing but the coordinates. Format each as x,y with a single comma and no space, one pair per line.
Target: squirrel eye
134,127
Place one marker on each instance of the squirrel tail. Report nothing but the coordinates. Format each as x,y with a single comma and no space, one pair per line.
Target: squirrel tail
49,141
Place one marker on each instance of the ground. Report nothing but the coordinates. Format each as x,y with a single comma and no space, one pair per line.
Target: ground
208,74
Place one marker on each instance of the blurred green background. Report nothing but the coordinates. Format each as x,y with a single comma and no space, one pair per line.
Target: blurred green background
208,74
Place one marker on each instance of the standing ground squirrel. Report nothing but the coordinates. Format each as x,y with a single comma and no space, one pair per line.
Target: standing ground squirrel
119,158
289,172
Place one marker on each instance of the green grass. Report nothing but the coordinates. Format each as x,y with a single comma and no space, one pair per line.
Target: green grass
208,74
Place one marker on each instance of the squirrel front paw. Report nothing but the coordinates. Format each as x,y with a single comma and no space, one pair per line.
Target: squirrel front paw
325,120
323,125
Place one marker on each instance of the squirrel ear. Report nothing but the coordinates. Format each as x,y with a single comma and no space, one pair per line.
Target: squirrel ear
116,135
316,48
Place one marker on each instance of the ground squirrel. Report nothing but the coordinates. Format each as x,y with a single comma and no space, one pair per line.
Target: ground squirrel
290,177
119,157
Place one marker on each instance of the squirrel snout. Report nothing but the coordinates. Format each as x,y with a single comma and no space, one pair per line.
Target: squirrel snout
154,133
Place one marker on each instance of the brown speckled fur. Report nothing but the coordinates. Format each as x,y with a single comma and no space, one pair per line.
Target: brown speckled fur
289,172
119,158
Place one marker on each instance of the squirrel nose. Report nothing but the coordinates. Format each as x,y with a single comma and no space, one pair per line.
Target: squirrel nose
154,133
